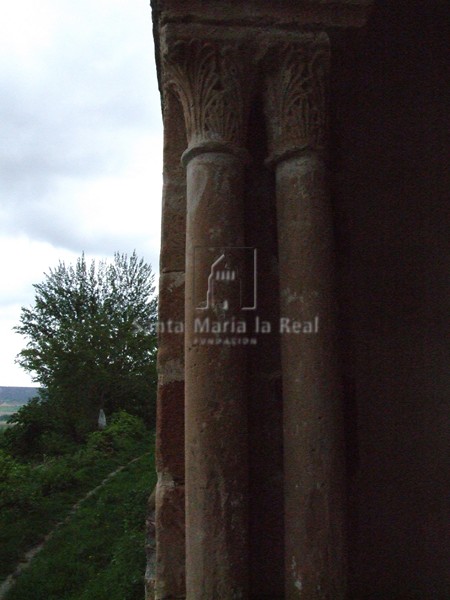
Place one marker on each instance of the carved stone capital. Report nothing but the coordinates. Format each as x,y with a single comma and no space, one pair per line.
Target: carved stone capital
296,96
209,79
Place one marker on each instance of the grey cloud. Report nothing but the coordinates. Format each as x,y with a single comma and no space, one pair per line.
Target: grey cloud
78,119
62,230
71,112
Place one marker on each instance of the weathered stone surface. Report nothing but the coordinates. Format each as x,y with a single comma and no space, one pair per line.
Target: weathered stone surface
170,430
169,513
314,485
219,63
216,409
274,14
173,226
296,99
171,323
169,567
208,80
315,551
265,418
170,536
150,549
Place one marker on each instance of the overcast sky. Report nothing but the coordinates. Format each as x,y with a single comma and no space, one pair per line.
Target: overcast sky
80,145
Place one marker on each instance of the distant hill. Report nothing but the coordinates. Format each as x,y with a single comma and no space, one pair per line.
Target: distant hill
17,395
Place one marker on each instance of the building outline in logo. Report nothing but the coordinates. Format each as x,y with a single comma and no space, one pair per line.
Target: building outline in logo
222,271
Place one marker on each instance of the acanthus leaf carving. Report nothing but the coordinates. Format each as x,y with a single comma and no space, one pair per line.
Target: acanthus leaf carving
296,96
209,79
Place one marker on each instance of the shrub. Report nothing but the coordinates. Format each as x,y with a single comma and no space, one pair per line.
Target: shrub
100,441
54,443
56,475
18,487
122,433
30,422
6,465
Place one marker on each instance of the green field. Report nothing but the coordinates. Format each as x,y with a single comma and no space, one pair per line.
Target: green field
5,412
9,409
99,554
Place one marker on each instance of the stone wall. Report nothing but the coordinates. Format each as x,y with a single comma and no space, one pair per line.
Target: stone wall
392,181
303,466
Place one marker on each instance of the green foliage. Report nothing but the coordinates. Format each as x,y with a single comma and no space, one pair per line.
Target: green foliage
56,475
30,423
18,488
38,429
99,554
33,496
91,345
24,483
123,431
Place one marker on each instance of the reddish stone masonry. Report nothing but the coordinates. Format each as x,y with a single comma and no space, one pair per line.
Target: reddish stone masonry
250,495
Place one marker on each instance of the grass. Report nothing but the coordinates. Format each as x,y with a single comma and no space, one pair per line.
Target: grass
22,529
99,553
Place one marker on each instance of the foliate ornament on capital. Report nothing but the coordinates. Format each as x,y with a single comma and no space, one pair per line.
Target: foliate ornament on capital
296,101
209,79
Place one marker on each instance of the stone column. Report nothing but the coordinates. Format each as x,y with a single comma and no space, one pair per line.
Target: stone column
209,81
296,112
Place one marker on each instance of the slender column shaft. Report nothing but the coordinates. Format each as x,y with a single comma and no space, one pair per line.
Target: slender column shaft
315,560
216,419
313,452
208,79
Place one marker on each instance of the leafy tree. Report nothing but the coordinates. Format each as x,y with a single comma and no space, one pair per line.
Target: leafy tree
91,342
